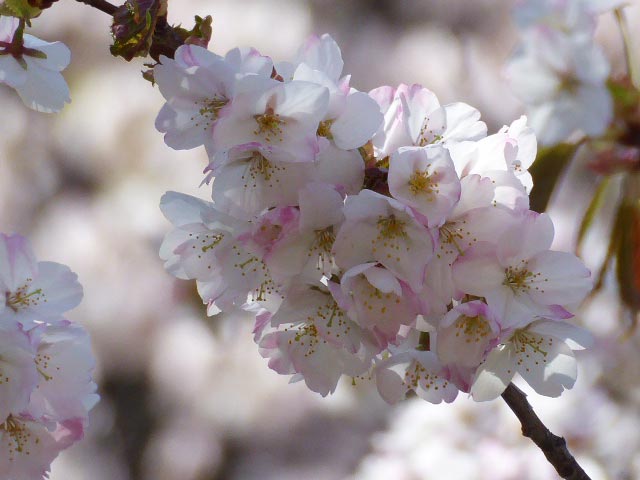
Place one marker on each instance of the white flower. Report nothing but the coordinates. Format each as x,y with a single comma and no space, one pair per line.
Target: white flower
283,117
561,79
379,228
33,67
416,371
413,116
197,84
520,277
425,179
310,335
541,353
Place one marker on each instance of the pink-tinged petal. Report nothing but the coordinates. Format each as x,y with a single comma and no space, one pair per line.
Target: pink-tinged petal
425,179
249,60
466,333
343,169
320,206
421,109
244,189
532,234
478,272
181,209
180,128
285,116
65,363
189,55
17,262
526,141
475,192
8,26
463,123
577,338
559,278
31,446
323,54
509,190
493,375
546,363
18,373
357,123
390,385
377,301
383,280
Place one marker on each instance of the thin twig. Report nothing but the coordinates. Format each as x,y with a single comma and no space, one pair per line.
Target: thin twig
553,447
101,5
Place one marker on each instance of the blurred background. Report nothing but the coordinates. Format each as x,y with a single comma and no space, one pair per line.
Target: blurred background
186,397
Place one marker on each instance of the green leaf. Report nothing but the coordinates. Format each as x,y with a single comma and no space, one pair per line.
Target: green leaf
19,8
546,170
594,206
133,28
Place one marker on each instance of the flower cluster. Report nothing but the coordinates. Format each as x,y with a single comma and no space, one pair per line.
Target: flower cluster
382,236
32,67
46,362
558,71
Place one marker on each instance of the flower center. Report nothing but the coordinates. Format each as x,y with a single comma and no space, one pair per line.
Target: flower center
474,329
269,125
22,298
19,437
422,183
390,227
518,278
210,109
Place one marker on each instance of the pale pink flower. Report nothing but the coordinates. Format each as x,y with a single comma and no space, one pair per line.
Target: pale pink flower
30,290
542,353
27,447
312,337
376,300
197,84
425,179
381,229
18,373
65,364
519,276
283,117
34,72
466,333
306,251
561,79
417,371
413,116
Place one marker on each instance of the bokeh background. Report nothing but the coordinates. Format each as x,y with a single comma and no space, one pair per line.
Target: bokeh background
186,397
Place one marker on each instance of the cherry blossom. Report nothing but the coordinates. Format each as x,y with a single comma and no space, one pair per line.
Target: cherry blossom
542,353
417,371
32,67
560,74
46,389
31,290
378,236
197,85
520,277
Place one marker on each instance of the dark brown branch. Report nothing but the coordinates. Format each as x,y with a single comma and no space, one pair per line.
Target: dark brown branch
101,5
553,447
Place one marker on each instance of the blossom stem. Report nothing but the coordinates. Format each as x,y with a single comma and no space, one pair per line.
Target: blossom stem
101,5
632,65
553,447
